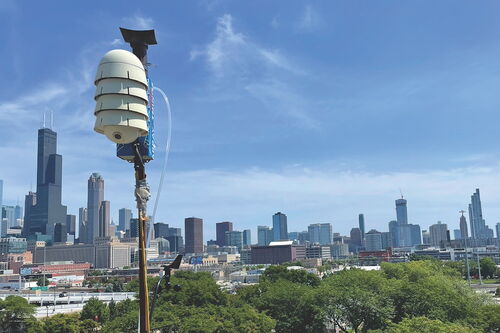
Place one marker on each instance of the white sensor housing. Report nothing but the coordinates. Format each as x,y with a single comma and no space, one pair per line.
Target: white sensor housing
121,97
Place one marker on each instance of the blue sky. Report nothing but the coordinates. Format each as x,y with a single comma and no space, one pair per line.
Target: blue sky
322,110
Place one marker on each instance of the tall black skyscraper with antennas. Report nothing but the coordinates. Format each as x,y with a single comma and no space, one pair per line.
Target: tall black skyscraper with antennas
47,211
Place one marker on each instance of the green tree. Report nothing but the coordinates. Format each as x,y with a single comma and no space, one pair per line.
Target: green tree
42,281
274,273
488,268
292,305
96,310
425,325
430,289
62,323
126,323
15,313
487,318
356,299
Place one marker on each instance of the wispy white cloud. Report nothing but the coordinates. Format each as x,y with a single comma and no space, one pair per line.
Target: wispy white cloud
139,22
242,66
310,20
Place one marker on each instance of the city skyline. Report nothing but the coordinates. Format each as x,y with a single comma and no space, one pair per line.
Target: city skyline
330,170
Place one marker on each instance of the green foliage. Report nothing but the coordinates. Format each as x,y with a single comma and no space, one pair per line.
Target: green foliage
42,281
96,310
357,299
211,318
425,325
197,289
275,273
124,324
487,318
62,323
430,289
15,313
133,286
488,268
292,305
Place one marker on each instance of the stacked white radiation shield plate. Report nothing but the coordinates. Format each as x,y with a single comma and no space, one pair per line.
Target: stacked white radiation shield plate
121,97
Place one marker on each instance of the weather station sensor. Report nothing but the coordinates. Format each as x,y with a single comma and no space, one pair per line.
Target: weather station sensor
124,114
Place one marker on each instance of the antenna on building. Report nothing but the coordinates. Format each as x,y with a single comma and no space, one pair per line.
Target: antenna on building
43,123
462,211
51,119
401,192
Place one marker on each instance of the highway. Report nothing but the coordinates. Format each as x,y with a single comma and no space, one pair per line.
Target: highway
53,303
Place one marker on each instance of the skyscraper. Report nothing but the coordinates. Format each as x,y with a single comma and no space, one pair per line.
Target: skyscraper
124,216
264,235
71,224
373,240
464,233
478,229
497,226
439,234
361,223
234,238
356,242
247,237
1,194
48,210
280,230
161,230
320,233
95,198
457,234
220,229
426,237
401,211
193,228
82,225
104,219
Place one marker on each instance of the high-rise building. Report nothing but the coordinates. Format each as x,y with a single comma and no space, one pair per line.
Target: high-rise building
386,240
293,235
9,216
401,211
1,193
94,202
247,237
426,237
457,234
18,215
356,242
280,229
439,234
361,223
264,235
373,240
124,216
234,238
220,229
193,228
497,226
82,225
320,233
161,230
71,224
104,219
416,234
48,210
176,243
393,230
29,202
134,228
464,233
478,229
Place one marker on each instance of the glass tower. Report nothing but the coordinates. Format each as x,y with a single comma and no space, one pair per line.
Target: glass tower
280,230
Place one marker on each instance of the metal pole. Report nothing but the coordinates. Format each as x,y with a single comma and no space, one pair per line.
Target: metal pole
467,261
142,195
479,269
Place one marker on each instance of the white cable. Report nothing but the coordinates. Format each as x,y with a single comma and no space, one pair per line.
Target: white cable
164,170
